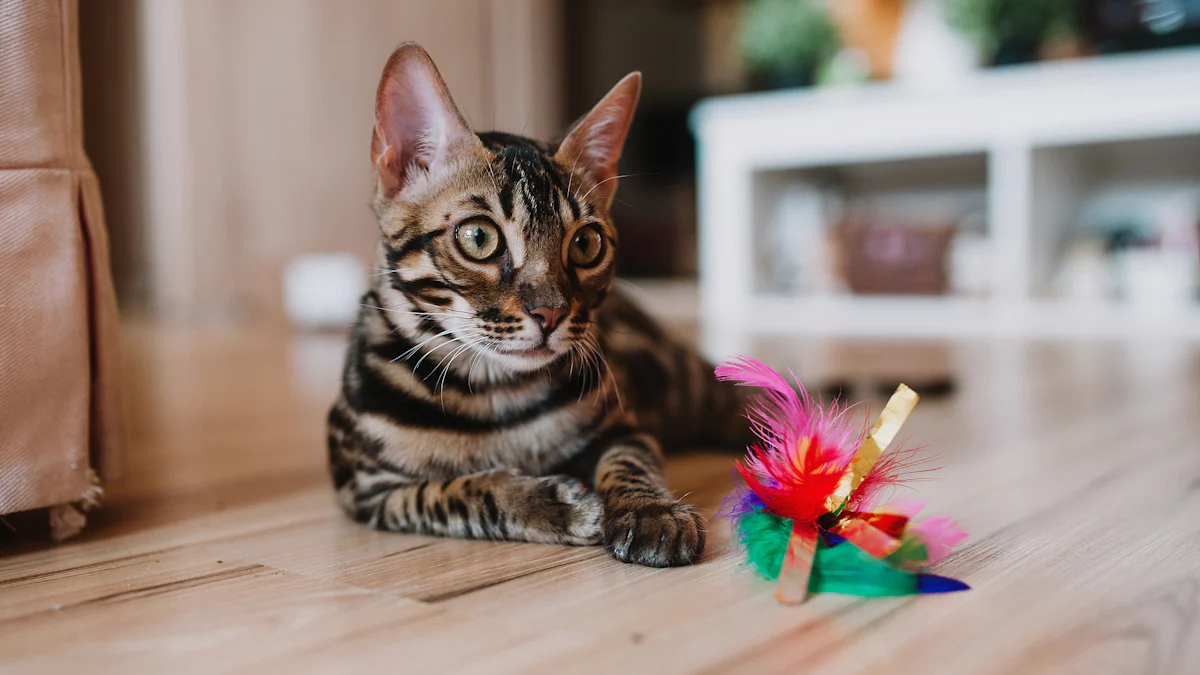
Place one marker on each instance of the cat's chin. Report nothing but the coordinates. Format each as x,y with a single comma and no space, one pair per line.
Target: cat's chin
524,360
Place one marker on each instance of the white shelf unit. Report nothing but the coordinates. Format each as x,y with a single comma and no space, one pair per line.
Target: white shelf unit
1038,128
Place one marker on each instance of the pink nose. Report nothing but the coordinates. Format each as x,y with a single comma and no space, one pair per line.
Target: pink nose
547,317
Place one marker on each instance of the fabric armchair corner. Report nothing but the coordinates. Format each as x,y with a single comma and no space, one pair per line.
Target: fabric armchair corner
60,431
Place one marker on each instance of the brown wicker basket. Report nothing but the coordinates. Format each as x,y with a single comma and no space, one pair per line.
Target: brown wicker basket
894,258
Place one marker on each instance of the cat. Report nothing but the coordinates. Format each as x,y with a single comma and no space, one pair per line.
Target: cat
496,385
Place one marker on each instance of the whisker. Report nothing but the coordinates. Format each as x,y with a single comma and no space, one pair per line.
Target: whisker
449,355
426,355
441,384
600,392
584,373
471,369
412,351
447,342
627,205
486,347
495,184
604,369
612,378
393,310
627,175
571,176
576,353
593,368
451,312
481,342
398,308
465,317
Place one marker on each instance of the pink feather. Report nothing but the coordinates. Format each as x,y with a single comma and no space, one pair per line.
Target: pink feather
792,477
909,508
784,416
940,534
748,372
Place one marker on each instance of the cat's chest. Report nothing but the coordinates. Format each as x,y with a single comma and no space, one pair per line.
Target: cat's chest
532,446
530,433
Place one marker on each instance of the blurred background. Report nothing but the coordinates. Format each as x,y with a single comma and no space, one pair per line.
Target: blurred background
997,201
922,168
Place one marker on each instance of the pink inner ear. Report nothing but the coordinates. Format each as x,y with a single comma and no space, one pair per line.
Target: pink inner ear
415,120
594,145
408,123
386,163
602,144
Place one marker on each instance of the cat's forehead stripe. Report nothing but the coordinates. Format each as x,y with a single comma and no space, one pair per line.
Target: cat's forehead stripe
478,201
531,178
530,175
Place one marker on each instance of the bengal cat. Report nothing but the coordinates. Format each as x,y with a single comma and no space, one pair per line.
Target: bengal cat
494,387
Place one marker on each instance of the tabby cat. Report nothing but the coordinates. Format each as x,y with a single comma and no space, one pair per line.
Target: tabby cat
494,387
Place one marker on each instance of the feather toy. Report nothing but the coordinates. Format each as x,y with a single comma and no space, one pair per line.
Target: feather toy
810,515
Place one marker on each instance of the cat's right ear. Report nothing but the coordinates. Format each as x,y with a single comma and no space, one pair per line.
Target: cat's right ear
593,144
416,121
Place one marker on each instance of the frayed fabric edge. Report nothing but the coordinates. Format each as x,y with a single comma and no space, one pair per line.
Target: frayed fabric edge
68,520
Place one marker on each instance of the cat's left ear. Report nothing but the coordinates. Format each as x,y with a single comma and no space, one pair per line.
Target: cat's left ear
417,125
593,144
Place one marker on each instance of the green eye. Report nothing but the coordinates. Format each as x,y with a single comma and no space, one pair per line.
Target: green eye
586,247
479,240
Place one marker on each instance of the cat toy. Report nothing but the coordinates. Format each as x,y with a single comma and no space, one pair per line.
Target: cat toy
810,514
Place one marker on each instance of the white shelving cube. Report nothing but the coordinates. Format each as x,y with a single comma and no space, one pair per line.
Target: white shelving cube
1049,135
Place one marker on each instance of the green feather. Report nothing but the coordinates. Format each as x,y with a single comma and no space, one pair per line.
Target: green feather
765,537
912,552
848,569
841,569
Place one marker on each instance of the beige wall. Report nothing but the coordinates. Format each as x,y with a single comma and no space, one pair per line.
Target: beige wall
255,123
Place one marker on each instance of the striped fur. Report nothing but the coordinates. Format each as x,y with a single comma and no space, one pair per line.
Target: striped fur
462,415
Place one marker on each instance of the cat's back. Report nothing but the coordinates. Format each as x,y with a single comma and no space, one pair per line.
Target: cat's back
667,382
624,313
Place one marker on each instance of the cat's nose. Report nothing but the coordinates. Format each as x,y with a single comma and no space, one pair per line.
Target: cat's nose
547,317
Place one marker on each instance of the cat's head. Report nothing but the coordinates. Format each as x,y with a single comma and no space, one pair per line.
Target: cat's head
504,243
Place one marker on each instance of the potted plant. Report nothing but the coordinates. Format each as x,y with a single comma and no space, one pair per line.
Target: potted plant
1013,31
786,42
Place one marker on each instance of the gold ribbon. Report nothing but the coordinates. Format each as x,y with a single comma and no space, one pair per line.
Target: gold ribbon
881,435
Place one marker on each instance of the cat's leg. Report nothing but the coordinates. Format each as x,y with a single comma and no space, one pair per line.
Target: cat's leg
643,523
491,505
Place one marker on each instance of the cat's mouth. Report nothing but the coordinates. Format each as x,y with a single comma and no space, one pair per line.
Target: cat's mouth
530,357
538,352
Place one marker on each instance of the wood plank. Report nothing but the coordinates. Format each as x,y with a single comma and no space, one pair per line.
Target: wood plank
237,622
1074,466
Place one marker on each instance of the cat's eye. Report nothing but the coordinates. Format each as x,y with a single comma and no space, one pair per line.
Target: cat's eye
586,247
479,240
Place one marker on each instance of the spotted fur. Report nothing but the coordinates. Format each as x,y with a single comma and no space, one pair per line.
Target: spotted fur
521,397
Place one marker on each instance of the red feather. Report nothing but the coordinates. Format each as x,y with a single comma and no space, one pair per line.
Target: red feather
805,449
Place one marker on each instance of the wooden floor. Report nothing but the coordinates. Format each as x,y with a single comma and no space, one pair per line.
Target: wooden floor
1076,467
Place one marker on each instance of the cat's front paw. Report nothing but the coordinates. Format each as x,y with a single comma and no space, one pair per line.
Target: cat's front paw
566,509
655,534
